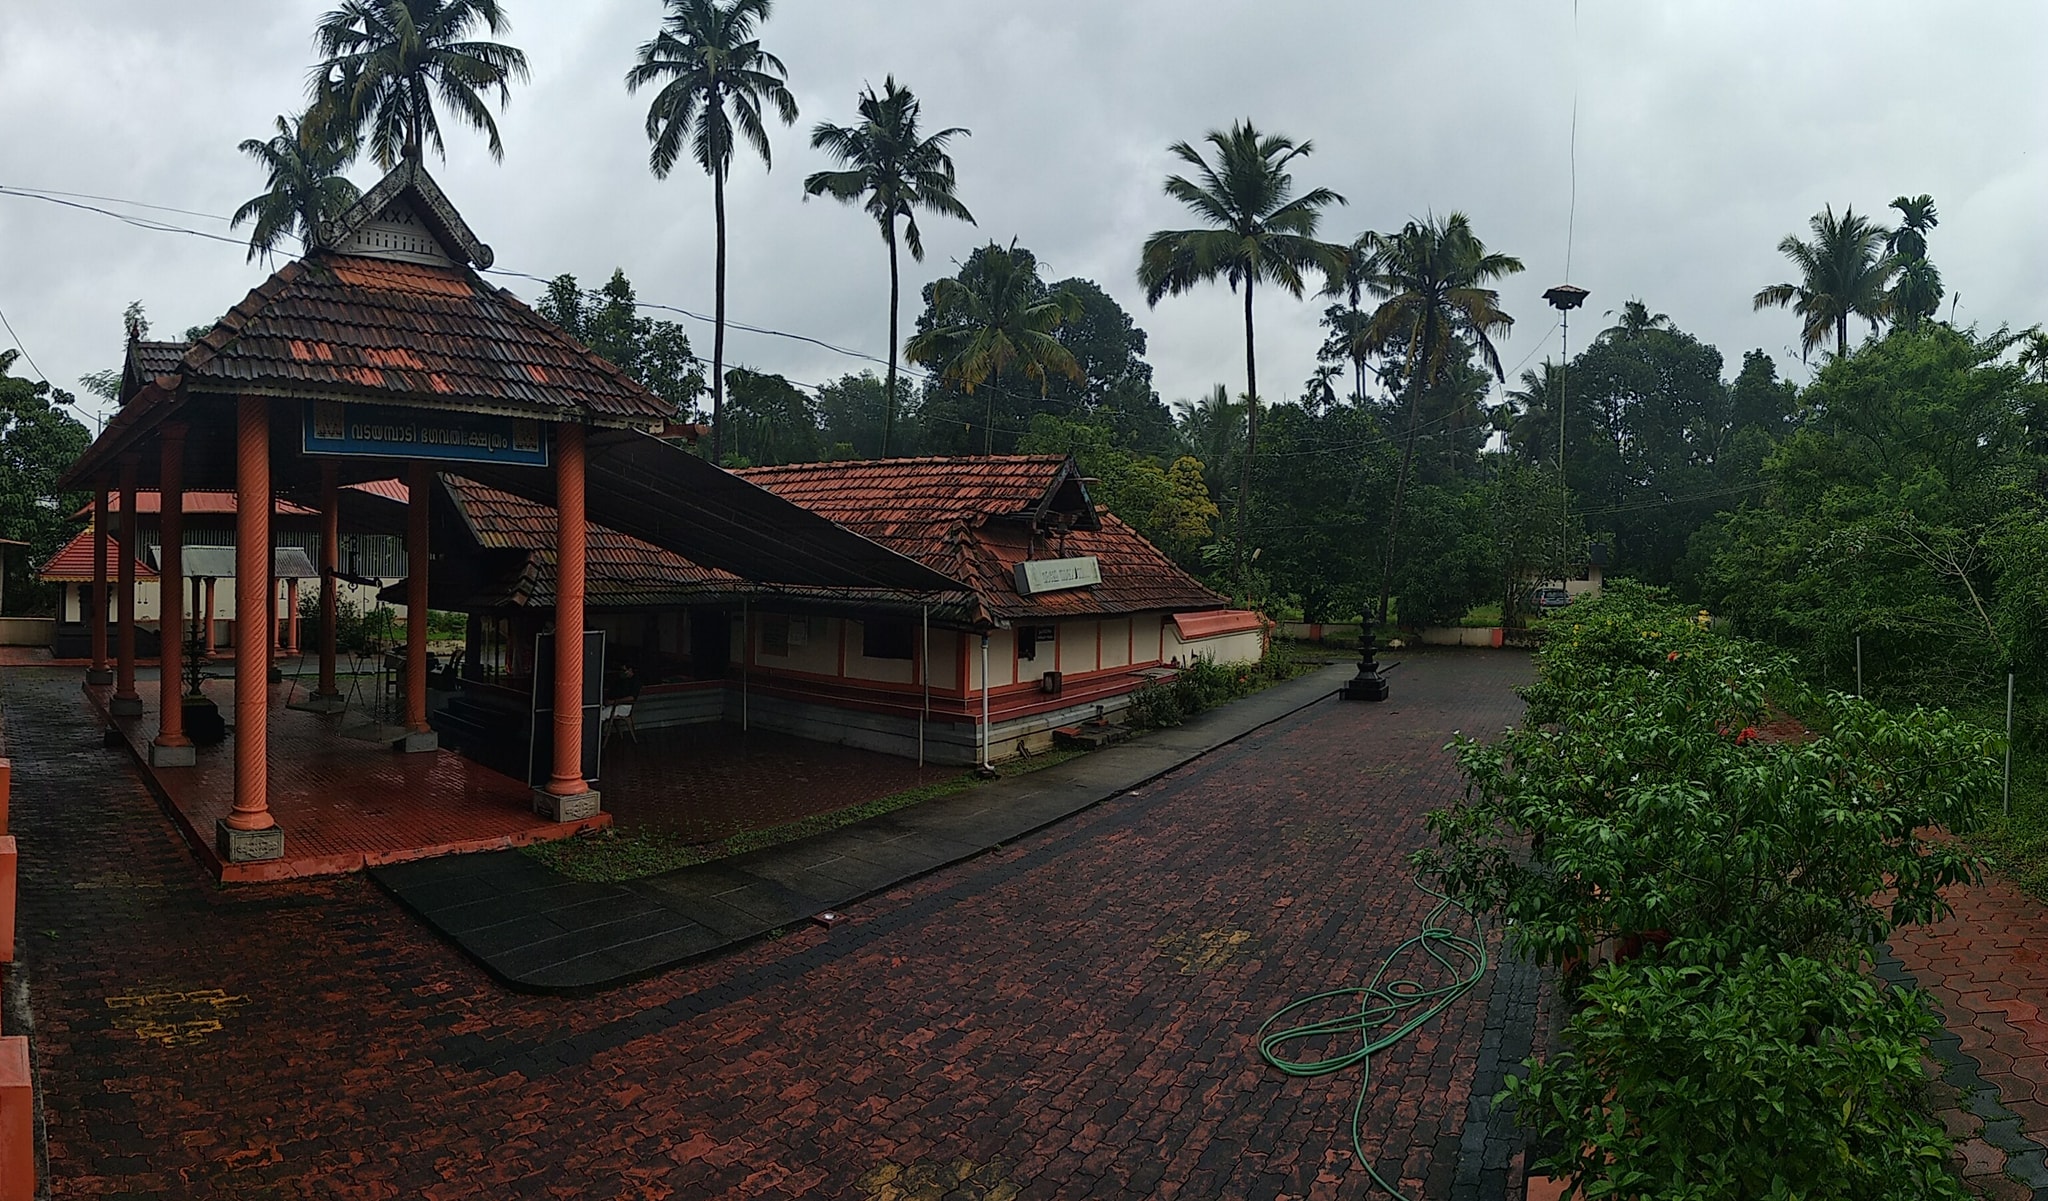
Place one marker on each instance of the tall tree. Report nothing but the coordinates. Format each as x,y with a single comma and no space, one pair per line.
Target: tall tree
306,186
1256,230
718,81
992,319
1843,273
1431,281
38,441
608,320
385,62
892,171
1916,295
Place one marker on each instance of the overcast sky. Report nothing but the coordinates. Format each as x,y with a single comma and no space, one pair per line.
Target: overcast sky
1706,132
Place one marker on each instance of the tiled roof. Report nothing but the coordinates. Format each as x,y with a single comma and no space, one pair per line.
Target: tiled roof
380,329
970,518
146,361
619,571
388,489
151,501
912,500
73,564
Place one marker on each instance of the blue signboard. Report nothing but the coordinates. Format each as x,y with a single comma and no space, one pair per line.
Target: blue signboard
390,432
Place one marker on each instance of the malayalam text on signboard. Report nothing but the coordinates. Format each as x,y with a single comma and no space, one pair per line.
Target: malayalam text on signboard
386,431
1053,575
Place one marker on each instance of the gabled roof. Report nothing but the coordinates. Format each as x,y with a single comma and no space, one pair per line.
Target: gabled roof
347,326
912,498
73,564
406,196
147,360
975,519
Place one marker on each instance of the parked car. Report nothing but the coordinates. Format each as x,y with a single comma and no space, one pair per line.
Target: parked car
1548,600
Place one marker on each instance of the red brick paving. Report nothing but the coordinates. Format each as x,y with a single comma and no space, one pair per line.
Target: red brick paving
710,781
1071,1016
345,804
1984,967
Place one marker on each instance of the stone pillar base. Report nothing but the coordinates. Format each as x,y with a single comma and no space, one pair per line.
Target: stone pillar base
418,741
125,706
320,703
172,756
247,846
565,808
1363,687
99,675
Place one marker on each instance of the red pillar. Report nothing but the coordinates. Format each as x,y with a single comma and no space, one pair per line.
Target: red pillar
330,561
419,736
568,795
127,702
99,672
210,611
249,831
171,748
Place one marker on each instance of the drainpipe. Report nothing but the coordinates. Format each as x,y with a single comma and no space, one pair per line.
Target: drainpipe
924,672
984,703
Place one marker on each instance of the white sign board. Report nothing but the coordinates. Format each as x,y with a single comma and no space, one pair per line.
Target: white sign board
1052,575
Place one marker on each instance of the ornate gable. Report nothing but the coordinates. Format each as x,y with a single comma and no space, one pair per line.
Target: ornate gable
408,218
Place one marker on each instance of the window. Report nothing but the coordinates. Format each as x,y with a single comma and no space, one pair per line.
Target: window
886,639
1027,642
775,635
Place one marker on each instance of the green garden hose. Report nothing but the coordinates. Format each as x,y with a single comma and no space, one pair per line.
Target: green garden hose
1378,1003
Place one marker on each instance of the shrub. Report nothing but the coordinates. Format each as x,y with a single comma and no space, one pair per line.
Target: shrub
1784,1077
1644,802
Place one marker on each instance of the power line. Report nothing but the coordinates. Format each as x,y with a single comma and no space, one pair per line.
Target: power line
54,196
22,346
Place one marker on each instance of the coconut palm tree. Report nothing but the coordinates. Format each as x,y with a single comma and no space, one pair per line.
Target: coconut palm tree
384,63
306,187
996,319
718,83
1257,230
1431,281
897,171
2033,359
1843,273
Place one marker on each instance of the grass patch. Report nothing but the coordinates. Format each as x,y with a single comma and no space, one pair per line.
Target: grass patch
2016,845
614,856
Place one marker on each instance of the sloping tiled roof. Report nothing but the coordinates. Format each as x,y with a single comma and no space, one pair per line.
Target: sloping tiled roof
73,564
379,329
619,571
898,501
973,519
146,361
148,500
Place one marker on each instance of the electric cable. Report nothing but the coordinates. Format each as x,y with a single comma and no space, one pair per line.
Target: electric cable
1383,1000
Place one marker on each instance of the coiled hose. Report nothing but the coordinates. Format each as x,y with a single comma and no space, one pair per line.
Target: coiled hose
1375,1004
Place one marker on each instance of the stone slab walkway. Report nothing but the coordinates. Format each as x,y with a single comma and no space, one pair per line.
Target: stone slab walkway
536,930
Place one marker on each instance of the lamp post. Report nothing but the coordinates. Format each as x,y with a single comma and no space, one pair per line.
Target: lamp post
1564,298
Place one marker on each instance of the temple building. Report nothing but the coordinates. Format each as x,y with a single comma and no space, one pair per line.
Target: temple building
377,408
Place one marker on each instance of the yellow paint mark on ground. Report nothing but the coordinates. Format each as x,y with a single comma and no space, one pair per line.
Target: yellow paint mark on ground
175,1019
931,1182
1207,950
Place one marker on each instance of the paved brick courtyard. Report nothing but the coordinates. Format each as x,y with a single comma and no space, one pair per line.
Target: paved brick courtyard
1070,1016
